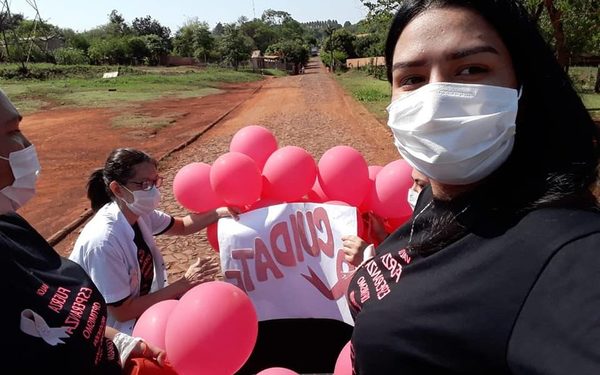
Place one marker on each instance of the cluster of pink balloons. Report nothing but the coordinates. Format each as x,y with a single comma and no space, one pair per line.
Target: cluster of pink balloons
256,173
212,329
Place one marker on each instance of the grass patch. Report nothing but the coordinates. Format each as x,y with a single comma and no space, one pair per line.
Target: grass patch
31,95
592,103
374,93
583,77
139,121
274,72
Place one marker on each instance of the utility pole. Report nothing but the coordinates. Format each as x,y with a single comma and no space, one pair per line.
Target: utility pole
18,40
253,9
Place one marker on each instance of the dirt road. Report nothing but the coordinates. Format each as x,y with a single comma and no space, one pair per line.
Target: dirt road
309,111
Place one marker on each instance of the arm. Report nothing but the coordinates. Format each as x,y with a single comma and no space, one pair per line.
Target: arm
134,346
133,307
193,223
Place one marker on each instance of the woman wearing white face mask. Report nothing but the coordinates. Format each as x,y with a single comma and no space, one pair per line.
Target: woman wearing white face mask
117,247
356,250
54,317
497,270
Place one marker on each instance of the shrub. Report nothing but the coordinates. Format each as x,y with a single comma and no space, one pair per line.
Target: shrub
70,56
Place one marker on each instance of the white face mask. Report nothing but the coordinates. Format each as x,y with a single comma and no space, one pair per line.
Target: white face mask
412,198
25,168
455,133
144,201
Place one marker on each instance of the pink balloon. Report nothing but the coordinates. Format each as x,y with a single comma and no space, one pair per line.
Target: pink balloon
392,224
343,365
264,202
288,174
371,196
316,194
277,371
192,189
236,179
212,330
391,186
255,141
212,235
152,324
344,175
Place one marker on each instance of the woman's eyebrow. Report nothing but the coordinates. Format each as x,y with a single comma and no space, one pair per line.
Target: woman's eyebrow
452,56
472,51
408,64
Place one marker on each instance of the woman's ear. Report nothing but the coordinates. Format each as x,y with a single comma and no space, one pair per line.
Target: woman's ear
116,189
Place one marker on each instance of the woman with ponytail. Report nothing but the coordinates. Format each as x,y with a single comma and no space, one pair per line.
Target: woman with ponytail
117,247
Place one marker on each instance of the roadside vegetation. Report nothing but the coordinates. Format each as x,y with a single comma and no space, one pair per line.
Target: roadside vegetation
87,88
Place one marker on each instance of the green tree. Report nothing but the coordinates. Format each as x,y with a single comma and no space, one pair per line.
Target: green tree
75,40
235,46
156,48
261,33
110,51
218,30
70,56
194,39
275,17
369,45
341,40
138,49
116,24
148,26
291,50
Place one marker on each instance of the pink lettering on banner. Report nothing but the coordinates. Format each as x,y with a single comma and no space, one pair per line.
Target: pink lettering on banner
286,246
311,247
285,255
42,289
392,265
381,286
263,262
320,220
58,300
243,255
297,241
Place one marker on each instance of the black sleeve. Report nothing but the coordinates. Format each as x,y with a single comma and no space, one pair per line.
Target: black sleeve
168,227
558,329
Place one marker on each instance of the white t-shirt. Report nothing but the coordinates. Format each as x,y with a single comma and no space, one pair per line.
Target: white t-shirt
105,249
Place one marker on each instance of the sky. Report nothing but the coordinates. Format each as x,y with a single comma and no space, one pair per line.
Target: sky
81,15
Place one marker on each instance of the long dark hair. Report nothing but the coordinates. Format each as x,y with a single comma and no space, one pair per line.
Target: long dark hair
118,167
555,155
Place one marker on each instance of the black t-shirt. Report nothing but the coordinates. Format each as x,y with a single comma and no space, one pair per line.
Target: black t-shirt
35,279
521,299
145,260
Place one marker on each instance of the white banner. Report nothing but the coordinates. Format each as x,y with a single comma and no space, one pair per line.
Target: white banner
289,259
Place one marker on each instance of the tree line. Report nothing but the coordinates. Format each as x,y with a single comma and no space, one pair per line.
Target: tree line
144,40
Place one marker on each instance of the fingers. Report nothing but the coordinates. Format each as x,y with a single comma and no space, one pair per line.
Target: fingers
153,352
203,270
234,212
